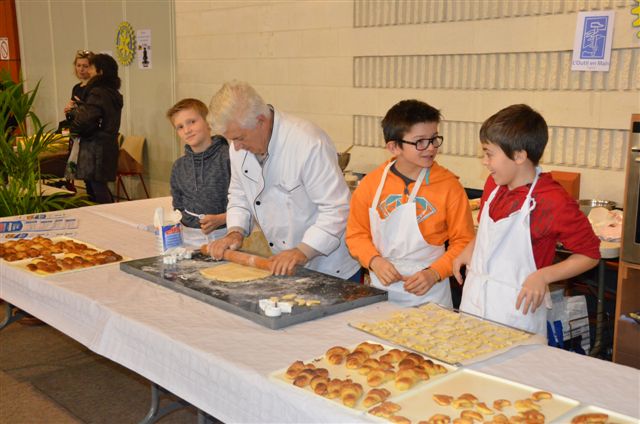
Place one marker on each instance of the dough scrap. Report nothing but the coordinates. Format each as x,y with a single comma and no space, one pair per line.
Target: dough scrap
234,273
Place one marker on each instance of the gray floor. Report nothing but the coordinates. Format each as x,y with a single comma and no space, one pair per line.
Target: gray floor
46,377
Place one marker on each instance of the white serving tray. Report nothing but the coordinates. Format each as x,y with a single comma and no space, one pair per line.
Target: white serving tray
442,334
419,405
22,263
614,417
342,372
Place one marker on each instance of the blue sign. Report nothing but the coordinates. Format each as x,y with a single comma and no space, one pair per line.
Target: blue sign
594,37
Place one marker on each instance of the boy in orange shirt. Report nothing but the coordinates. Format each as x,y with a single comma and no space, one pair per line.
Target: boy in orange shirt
403,212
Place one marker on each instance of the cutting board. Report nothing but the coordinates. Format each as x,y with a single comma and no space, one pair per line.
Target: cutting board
335,295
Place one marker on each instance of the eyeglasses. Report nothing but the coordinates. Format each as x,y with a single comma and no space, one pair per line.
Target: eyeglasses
423,143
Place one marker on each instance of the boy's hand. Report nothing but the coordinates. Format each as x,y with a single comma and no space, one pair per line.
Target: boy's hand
463,259
232,241
386,272
211,222
532,292
285,262
420,282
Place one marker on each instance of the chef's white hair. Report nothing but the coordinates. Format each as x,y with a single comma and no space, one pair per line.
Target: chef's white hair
236,101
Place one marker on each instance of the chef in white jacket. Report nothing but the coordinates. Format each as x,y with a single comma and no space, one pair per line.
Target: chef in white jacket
285,175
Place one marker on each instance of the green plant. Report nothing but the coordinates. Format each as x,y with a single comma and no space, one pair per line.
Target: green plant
20,173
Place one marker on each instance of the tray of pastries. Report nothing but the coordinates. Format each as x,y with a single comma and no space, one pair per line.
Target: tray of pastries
468,397
590,414
447,335
363,376
45,256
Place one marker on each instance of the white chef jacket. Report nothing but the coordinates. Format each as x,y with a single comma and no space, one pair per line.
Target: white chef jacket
298,195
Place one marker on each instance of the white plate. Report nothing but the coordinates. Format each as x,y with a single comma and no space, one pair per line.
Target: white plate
614,417
342,372
419,404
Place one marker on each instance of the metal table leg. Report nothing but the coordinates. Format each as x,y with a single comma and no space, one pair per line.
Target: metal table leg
597,343
10,316
155,412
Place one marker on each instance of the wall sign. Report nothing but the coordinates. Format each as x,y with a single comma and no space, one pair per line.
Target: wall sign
125,43
143,41
4,48
592,43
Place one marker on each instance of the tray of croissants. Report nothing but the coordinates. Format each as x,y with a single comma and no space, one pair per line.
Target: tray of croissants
360,377
45,256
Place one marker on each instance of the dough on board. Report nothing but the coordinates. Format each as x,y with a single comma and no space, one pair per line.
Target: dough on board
234,273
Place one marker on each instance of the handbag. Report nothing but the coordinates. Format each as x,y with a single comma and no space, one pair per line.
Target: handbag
72,161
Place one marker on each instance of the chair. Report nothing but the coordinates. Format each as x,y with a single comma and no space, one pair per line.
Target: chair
130,163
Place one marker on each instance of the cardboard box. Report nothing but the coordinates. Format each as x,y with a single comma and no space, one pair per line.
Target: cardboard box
570,181
628,343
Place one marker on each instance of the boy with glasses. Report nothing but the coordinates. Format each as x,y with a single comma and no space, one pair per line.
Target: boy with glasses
523,214
403,212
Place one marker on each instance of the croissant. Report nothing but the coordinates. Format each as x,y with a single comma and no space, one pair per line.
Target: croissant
399,419
333,388
375,396
405,379
541,395
303,378
593,418
335,358
319,384
356,359
337,350
379,376
369,348
350,394
294,369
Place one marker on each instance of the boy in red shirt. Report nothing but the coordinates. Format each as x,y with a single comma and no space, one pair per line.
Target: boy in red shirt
403,212
523,214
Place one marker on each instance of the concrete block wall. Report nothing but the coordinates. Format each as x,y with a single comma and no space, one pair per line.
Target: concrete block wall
342,64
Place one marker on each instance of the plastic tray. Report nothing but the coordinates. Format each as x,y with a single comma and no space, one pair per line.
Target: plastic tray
614,417
419,404
447,335
342,372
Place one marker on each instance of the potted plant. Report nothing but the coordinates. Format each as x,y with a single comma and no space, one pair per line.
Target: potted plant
23,138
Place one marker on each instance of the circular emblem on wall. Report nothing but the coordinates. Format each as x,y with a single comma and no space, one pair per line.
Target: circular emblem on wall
125,43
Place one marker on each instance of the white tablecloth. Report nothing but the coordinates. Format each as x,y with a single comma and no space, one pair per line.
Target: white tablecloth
220,362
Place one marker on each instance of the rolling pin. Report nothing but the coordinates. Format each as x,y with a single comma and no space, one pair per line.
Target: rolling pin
241,258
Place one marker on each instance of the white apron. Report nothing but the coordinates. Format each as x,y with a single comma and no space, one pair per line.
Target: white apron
194,237
502,260
399,240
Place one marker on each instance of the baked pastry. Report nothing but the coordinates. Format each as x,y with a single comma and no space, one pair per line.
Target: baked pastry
484,409
593,418
393,356
399,419
385,409
294,369
375,396
462,420
405,379
472,415
379,376
443,400
541,395
437,419
369,348
499,404
350,393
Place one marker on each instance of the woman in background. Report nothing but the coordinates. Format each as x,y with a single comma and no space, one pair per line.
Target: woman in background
96,120
81,67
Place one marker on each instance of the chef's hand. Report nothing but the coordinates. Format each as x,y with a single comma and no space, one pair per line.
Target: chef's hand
463,259
384,270
420,282
532,292
286,261
232,241
211,222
